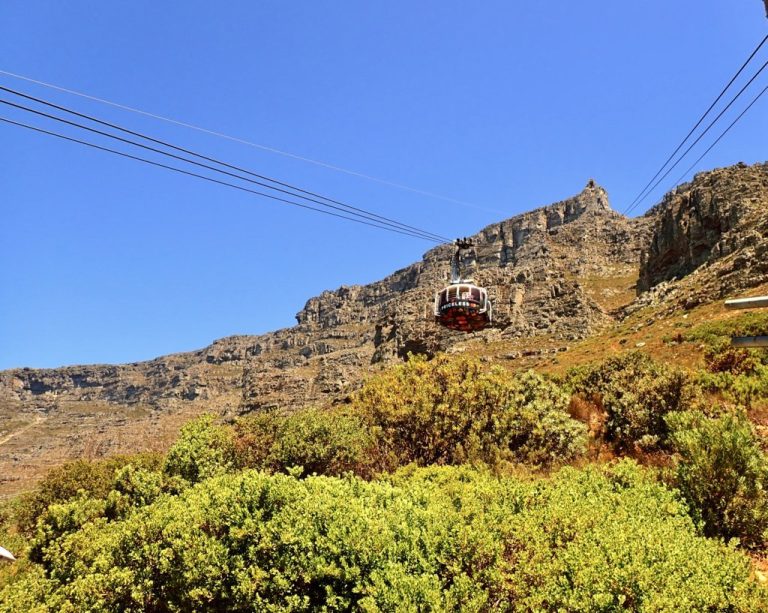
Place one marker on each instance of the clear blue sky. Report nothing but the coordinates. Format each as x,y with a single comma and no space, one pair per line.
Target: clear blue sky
506,104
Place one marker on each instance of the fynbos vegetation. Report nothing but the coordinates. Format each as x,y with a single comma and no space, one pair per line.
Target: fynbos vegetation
439,486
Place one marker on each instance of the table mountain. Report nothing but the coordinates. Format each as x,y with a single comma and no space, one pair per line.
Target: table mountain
561,272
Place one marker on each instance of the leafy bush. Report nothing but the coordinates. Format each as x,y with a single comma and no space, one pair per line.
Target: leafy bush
453,410
202,450
13,541
254,437
723,474
713,333
636,394
439,539
723,357
324,442
614,539
133,488
745,389
78,478
60,520
738,375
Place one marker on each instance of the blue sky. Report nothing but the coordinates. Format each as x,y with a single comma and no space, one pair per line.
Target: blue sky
506,105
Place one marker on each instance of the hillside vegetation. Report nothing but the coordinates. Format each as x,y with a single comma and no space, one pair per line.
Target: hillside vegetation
571,282
444,484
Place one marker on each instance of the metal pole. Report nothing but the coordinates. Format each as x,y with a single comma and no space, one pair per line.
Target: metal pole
759,302
749,341
455,276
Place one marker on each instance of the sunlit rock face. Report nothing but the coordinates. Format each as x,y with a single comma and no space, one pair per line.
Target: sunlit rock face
715,226
561,272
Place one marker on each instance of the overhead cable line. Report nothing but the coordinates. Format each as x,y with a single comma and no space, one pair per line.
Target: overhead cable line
642,193
242,141
722,134
397,225
210,179
698,123
695,142
360,212
225,164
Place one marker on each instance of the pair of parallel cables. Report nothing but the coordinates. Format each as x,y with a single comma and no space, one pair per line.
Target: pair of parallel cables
279,191
343,210
656,179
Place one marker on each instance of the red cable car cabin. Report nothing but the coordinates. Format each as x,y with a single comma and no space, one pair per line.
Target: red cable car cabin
463,306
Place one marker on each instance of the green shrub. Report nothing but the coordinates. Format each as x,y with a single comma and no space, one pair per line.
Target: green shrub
454,410
202,450
636,394
437,539
723,475
254,437
13,541
738,375
24,587
723,357
133,488
60,520
714,333
745,389
323,443
616,540
92,479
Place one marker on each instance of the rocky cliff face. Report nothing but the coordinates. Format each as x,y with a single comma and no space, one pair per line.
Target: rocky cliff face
560,272
709,237
716,215
535,266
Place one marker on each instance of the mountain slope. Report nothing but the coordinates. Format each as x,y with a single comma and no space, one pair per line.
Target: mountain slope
556,274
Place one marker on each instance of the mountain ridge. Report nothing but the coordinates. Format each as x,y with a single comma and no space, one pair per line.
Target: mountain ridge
560,272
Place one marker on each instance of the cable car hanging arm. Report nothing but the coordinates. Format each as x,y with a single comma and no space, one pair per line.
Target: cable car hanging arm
461,243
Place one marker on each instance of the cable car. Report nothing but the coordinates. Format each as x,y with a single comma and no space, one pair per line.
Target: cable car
462,305
7,555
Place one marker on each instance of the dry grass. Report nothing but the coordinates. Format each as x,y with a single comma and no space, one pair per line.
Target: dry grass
614,292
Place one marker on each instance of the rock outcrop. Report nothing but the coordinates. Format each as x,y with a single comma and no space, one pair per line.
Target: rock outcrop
561,272
710,235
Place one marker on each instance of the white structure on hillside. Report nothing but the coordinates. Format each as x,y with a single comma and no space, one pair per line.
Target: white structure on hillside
759,302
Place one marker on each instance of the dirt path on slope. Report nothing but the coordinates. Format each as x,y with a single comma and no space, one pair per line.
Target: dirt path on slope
38,420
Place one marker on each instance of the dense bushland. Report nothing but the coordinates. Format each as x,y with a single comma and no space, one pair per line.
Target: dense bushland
313,441
443,411
739,375
455,410
712,333
356,506
722,473
327,442
80,477
717,461
441,539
